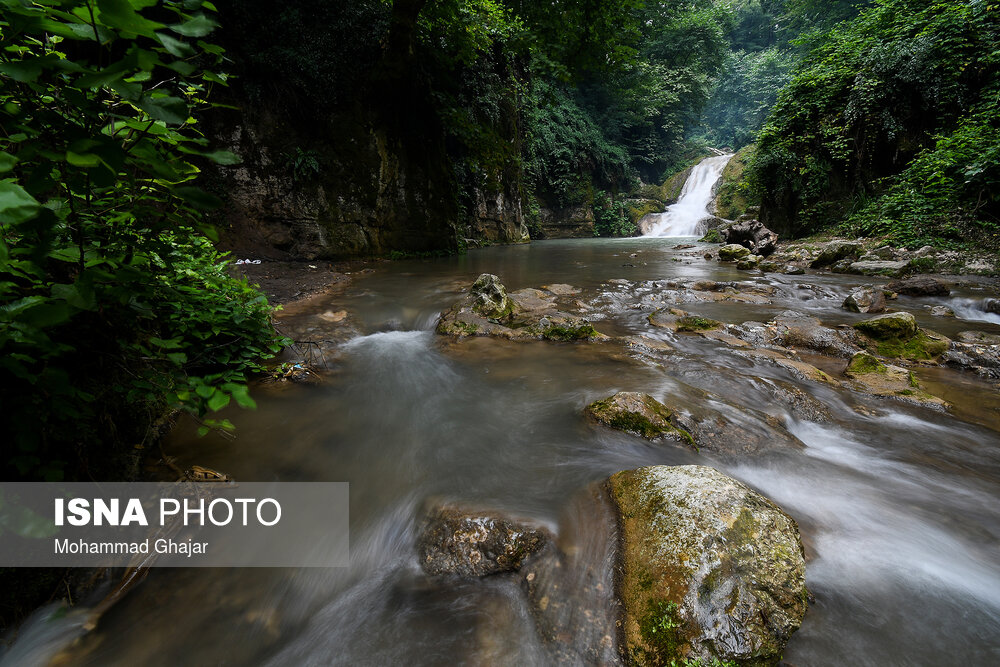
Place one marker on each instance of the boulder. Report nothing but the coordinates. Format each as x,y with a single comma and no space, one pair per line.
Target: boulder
869,375
890,325
753,235
471,543
835,251
879,268
733,252
980,358
490,298
991,306
796,330
865,300
710,570
919,286
749,263
637,413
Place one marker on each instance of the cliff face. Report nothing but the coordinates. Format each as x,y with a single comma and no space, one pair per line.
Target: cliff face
355,155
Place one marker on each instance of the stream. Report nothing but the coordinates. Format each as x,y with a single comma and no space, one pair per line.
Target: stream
897,503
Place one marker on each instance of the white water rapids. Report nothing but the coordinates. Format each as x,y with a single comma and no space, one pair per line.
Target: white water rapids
682,218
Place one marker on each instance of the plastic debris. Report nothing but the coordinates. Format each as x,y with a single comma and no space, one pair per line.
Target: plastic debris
247,261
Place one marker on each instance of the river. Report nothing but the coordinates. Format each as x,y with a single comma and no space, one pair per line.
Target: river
897,503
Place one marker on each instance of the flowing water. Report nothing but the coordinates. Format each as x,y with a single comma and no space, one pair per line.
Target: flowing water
683,217
897,504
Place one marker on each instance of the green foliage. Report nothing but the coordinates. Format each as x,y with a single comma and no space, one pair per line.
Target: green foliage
610,217
890,121
113,304
304,164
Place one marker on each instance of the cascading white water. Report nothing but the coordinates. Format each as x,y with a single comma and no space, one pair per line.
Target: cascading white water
682,218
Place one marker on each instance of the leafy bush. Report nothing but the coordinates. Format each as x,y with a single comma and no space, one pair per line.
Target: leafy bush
900,94
113,305
610,217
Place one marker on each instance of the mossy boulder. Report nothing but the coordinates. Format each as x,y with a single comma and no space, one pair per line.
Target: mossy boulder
896,335
712,236
490,298
871,376
637,413
890,325
710,569
694,323
733,252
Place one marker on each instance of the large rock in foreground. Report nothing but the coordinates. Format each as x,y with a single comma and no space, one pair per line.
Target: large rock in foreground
896,335
462,541
710,569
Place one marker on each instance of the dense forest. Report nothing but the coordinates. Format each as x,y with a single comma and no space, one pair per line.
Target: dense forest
423,122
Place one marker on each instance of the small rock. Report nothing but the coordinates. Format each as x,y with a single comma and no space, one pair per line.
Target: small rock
733,252
749,263
942,311
637,413
865,300
871,376
978,338
466,542
991,306
919,286
792,270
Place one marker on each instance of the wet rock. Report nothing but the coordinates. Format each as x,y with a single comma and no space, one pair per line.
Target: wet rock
919,286
733,252
748,263
978,338
799,403
941,311
869,375
890,325
562,289
637,413
753,235
791,270
880,268
531,315
835,251
710,569
695,323
471,543
980,358
795,330
712,236
666,318
865,300
991,306
896,335
490,298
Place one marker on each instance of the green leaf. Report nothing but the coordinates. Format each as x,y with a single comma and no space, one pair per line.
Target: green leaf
7,162
175,47
197,197
178,358
225,158
86,160
197,26
168,109
171,344
16,205
119,14
241,395
218,401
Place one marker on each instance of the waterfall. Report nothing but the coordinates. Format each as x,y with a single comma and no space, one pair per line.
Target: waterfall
682,218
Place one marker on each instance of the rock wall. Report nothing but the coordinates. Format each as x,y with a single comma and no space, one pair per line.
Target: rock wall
357,192
566,223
